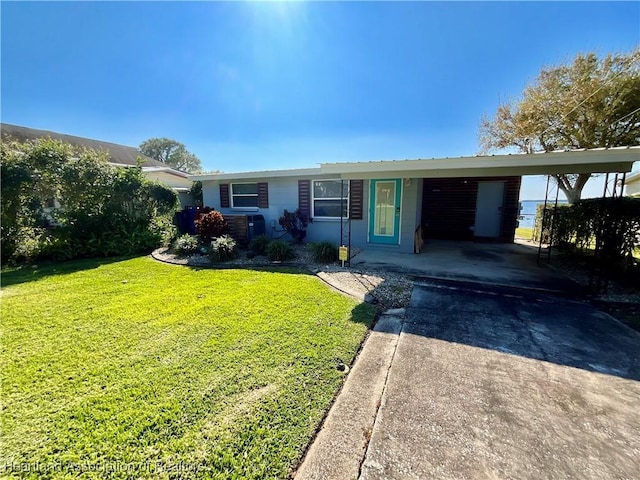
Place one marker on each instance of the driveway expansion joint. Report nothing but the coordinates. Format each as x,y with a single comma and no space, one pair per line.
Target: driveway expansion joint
339,448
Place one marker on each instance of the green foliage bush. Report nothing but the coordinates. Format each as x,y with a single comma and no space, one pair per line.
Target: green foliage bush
259,244
295,224
196,193
186,244
279,250
324,252
611,224
103,210
211,225
223,249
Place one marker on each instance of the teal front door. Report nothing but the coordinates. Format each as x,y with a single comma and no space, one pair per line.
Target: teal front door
384,211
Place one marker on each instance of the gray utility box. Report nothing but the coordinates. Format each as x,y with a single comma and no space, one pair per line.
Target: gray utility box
255,225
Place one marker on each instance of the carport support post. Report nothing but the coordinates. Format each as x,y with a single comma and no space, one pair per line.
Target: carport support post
345,224
553,220
544,218
599,280
547,220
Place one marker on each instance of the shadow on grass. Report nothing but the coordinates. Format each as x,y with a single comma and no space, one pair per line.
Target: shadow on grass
291,269
32,273
362,313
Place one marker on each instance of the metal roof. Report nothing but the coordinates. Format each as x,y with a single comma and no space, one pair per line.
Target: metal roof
595,160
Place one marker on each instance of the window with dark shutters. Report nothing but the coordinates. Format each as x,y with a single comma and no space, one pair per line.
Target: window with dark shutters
224,195
304,197
263,195
356,191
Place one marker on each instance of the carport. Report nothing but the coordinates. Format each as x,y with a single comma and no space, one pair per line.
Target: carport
470,198
508,265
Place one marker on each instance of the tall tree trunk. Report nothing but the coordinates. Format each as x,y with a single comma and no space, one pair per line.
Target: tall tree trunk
572,185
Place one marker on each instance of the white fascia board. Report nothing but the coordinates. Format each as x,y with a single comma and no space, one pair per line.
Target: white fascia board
264,175
119,165
168,170
620,167
595,160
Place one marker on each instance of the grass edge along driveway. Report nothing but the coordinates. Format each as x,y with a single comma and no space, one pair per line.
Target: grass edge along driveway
145,370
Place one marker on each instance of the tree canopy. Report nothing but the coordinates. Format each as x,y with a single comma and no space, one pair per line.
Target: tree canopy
589,103
173,153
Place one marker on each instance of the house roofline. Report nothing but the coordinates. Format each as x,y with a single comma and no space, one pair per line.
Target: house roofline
169,170
294,172
596,160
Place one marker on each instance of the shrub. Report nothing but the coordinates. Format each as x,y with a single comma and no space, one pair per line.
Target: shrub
31,244
611,224
196,192
324,252
259,244
279,250
186,244
165,229
295,224
211,225
101,210
222,249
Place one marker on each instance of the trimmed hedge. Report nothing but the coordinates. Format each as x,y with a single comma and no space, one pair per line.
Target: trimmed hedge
612,224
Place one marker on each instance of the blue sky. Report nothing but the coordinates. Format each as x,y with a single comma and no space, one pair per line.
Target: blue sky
255,86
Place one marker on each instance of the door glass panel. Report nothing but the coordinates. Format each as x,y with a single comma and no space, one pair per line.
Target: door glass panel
385,209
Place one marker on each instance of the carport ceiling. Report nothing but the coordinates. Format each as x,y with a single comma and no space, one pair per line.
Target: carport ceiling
598,160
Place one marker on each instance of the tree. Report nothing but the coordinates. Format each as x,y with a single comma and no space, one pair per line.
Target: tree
590,103
173,153
102,210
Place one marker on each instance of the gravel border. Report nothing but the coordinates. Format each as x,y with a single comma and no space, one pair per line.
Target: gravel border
382,288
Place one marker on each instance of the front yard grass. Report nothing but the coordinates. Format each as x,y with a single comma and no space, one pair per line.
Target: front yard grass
137,369
525,233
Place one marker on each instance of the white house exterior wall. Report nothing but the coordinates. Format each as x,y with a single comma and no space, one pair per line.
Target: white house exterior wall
283,194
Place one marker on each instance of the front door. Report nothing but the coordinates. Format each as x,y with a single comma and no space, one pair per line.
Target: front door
384,211
489,205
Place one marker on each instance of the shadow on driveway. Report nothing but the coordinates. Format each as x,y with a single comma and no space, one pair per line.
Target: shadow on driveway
528,324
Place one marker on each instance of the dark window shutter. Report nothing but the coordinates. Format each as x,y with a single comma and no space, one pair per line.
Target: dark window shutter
356,191
304,197
224,195
263,195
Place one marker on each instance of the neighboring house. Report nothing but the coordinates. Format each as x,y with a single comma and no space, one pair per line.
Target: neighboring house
632,184
177,180
392,204
119,155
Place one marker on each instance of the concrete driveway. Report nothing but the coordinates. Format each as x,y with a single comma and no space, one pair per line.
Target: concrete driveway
481,381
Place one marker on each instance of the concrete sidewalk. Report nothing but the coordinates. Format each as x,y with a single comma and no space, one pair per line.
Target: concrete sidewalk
483,382
340,446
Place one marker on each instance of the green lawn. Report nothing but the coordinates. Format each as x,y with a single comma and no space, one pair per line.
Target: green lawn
524,232
146,370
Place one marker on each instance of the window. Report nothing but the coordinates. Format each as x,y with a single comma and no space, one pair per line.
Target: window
244,195
330,198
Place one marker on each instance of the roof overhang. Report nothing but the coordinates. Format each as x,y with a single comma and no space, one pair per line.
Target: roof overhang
547,163
597,160
169,170
296,172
